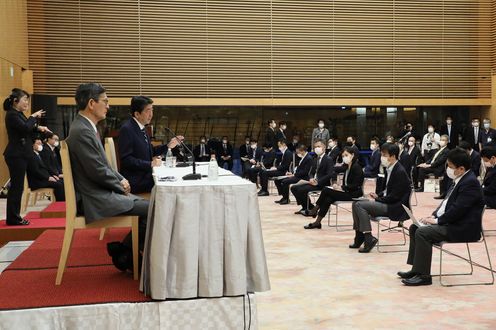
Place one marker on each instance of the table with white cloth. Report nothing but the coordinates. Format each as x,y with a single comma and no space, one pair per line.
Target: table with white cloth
204,237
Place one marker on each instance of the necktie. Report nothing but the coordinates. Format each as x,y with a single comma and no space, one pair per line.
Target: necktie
144,134
449,132
435,156
476,135
450,190
202,148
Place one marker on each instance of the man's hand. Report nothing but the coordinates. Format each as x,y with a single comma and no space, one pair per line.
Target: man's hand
273,168
430,220
253,161
313,182
126,186
61,176
423,165
157,161
373,195
336,187
175,141
52,179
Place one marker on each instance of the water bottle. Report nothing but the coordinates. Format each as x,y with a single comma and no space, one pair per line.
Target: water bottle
168,158
213,169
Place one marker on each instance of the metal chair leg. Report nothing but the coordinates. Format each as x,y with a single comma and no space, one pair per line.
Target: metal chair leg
390,229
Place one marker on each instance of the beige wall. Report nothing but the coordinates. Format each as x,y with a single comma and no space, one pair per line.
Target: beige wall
13,62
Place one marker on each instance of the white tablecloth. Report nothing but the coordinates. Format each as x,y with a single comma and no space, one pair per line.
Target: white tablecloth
204,238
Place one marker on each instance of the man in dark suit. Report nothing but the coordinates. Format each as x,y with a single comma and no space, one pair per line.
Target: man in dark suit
270,134
280,132
320,177
244,150
266,161
50,155
294,143
101,192
488,155
225,153
475,157
281,169
488,134
333,151
251,159
436,165
457,219
300,172
202,151
451,131
372,168
137,155
473,135
39,175
396,191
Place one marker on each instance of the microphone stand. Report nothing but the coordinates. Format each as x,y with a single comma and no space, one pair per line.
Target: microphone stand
194,175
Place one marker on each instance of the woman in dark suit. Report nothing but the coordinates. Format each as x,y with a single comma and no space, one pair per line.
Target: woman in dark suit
19,149
352,188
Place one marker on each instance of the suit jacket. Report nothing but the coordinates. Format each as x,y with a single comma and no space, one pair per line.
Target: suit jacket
51,160
136,155
463,212
37,172
469,136
243,150
372,169
475,162
406,161
334,154
255,154
489,187
19,131
491,134
224,152
286,160
414,156
270,137
324,171
439,164
268,158
354,182
396,192
453,137
196,153
280,135
292,146
99,193
303,169
318,135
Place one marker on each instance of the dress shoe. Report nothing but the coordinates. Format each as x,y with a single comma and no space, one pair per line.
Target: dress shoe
278,202
120,255
303,212
359,239
263,193
440,197
419,189
299,211
417,280
406,275
23,222
313,225
368,245
284,201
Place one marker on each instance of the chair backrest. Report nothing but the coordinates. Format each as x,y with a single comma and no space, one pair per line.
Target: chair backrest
110,153
70,193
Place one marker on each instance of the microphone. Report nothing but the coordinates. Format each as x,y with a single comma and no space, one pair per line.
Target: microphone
406,135
191,176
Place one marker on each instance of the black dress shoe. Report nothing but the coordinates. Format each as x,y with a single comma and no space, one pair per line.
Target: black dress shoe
368,245
284,201
440,197
120,255
417,280
23,222
278,202
419,190
359,239
302,212
313,225
299,211
263,193
406,275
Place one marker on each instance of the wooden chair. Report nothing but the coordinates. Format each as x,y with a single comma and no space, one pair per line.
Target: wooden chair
32,196
74,222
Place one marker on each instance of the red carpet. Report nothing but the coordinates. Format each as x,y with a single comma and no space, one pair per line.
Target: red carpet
36,222
24,285
54,210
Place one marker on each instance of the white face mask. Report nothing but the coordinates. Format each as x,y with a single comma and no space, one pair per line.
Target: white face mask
449,122
254,146
488,164
282,149
295,141
442,143
451,173
56,144
384,161
202,141
373,147
487,125
39,148
224,141
331,145
410,143
318,151
430,130
347,159
475,124
321,125
283,127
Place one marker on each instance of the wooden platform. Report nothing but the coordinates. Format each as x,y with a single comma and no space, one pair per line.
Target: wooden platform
54,210
28,233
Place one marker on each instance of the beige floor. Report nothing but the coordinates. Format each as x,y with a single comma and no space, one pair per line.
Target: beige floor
319,283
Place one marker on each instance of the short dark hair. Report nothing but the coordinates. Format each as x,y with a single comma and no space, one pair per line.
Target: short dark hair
302,147
319,141
203,137
376,140
225,136
270,121
15,95
282,122
488,152
253,140
267,146
86,92
320,120
283,141
49,135
465,145
449,116
391,148
247,137
138,103
459,157
350,150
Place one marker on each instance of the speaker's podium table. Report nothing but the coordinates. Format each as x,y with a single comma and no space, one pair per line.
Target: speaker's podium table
204,237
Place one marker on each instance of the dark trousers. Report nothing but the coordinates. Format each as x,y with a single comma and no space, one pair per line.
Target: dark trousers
444,184
252,173
229,163
362,211
17,171
140,209
245,167
283,185
420,251
329,196
300,191
265,175
379,184
422,175
58,189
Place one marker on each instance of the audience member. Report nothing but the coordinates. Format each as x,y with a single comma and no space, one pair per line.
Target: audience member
202,150
225,154
473,135
320,132
430,143
371,170
451,131
436,165
281,169
488,155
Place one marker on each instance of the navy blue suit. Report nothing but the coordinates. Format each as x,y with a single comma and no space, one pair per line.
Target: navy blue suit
398,192
489,188
372,169
136,154
281,169
301,173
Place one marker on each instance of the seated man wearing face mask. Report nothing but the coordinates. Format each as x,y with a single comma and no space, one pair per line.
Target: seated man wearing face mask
266,161
436,165
488,155
333,150
251,158
281,169
387,203
202,151
320,176
372,168
50,155
351,188
300,172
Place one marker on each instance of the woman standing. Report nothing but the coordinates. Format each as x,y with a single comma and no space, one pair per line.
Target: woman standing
320,132
352,188
19,149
